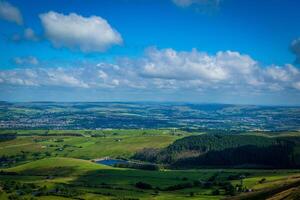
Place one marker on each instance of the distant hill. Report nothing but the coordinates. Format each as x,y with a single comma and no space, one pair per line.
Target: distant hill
185,116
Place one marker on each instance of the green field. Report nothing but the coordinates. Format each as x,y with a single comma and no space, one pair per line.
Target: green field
58,166
104,143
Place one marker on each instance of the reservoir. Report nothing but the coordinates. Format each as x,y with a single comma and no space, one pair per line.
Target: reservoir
111,162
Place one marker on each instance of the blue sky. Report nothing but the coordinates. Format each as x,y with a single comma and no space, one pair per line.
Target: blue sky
174,50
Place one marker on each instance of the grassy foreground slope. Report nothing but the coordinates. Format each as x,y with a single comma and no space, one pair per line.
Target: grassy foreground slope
87,180
69,178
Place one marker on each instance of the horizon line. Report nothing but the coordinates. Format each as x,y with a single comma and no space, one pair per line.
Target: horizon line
157,102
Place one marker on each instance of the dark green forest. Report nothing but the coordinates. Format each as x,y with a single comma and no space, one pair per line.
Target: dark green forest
213,150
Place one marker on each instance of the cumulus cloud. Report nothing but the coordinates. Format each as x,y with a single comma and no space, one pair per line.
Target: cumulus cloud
58,77
88,34
194,65
295,48
30,60
168,69
225,69
10,13
81,77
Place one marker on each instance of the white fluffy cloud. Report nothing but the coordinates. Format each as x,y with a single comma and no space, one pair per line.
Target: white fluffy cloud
10,13
223,70
194,65
167,69
88,34
100,76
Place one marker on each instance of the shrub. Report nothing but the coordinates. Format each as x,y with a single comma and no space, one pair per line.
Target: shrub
143,185
216,192
229,189
262,180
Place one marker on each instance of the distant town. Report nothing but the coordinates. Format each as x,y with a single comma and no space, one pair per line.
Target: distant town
111,115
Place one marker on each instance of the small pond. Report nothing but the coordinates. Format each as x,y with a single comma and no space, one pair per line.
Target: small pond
111,162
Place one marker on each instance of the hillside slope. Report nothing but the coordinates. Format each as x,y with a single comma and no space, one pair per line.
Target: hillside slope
227,150
57,166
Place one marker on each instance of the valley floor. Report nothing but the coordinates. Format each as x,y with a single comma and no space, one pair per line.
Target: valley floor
58,166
